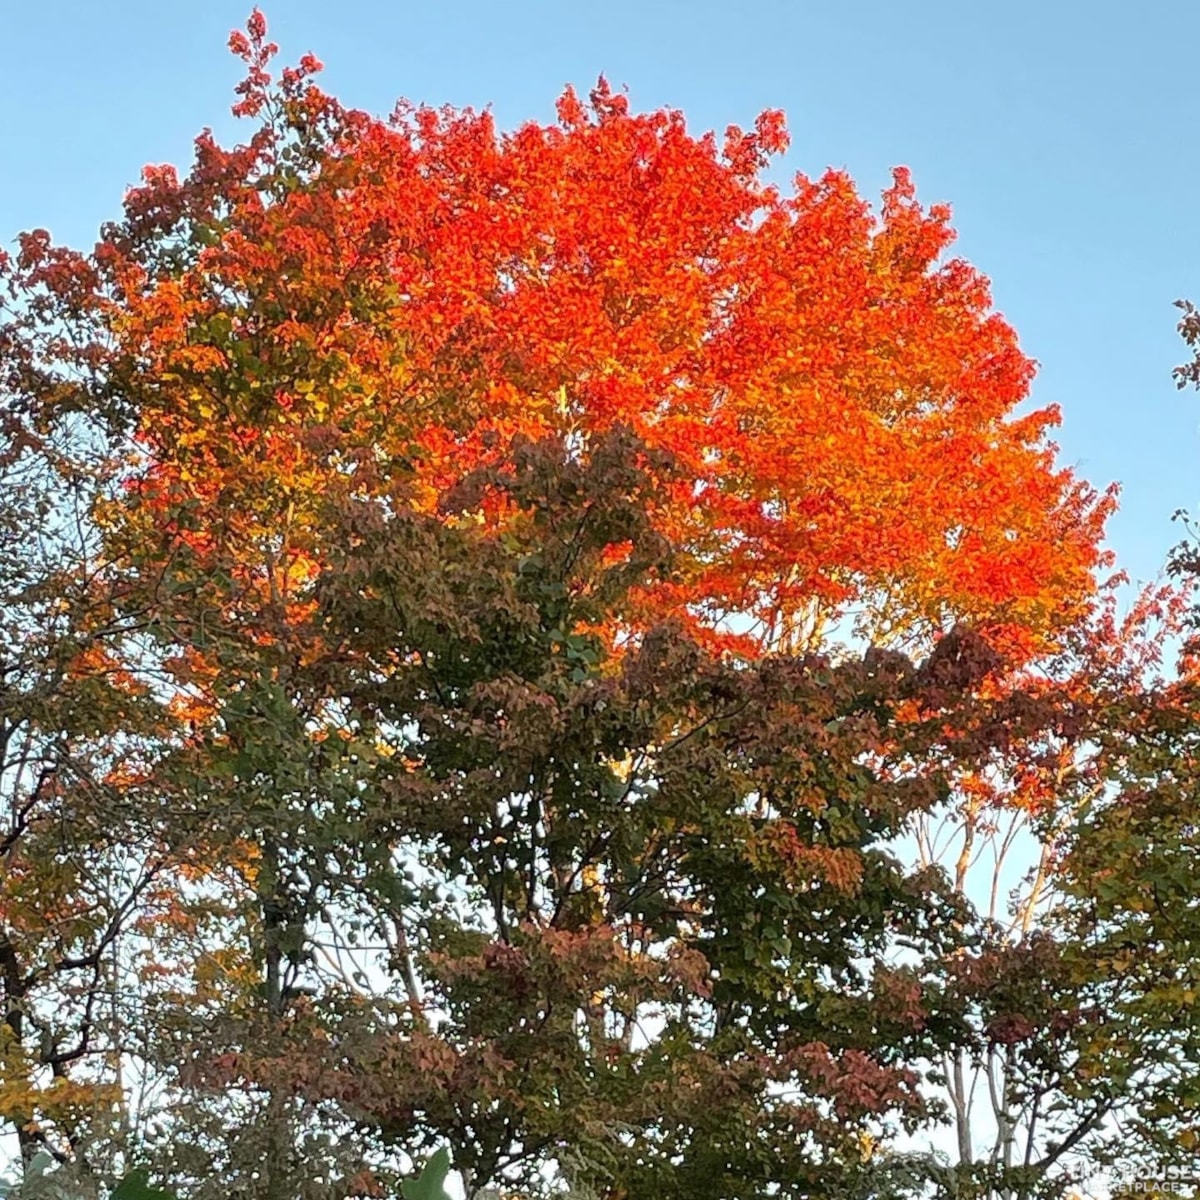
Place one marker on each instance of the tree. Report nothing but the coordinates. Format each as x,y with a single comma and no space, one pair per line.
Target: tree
77,729
1039,1099
344,298
635,904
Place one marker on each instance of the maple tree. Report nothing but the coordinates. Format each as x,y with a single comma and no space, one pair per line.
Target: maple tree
343,299
477,518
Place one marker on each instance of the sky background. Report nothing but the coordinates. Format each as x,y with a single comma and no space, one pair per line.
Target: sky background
1060,131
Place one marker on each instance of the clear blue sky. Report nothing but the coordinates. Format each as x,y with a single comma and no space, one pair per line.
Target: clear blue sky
1060,131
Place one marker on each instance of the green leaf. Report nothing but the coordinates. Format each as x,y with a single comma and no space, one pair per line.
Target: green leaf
40,1163
430,1184
136,1186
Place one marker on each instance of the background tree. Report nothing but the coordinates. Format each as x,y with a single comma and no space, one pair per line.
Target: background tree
78,736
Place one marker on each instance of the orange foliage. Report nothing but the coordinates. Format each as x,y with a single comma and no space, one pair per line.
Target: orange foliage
373,306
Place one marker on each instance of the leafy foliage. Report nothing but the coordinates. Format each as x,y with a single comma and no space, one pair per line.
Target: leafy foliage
426,723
